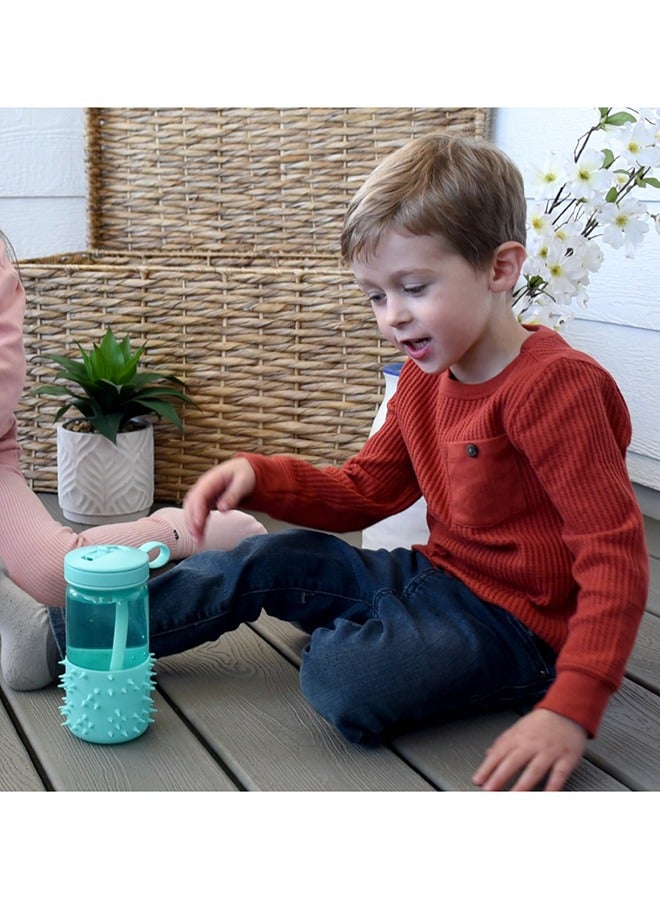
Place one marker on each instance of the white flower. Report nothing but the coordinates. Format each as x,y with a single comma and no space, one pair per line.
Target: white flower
638,144
569,233
544,311
535,262
591,256
589,176
548,178
624,226
564,274
539,222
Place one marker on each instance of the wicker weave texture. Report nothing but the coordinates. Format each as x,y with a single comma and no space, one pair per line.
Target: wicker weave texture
265,182
279,360
214,237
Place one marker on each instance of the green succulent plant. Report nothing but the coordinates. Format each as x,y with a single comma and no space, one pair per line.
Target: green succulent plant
110,392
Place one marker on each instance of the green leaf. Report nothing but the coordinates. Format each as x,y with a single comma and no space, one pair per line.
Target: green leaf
143,378
165,411
161,391
651,182
608,158
107,425
619,118
72,369
53,390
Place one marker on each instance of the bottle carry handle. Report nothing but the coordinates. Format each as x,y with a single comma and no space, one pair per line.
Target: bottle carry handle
162,557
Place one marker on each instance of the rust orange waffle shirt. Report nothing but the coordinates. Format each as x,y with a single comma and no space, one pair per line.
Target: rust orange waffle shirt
529,502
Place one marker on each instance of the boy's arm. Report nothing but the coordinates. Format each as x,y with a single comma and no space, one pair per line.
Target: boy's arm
574,429
542,743
377,482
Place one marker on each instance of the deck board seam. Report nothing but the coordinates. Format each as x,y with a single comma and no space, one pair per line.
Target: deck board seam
27,743
199,737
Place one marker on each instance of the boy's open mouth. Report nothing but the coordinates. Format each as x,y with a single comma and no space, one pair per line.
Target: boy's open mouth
416,348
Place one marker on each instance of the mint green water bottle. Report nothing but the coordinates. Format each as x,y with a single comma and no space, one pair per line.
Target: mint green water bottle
108,669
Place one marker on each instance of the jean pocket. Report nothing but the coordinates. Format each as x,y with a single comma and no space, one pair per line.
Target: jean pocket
541,655
485,486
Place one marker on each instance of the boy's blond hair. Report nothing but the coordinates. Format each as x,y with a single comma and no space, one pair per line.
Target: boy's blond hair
464,189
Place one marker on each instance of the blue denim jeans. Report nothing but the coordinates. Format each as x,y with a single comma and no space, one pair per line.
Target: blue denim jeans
394,642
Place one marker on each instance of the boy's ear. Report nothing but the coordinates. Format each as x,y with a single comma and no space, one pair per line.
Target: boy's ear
507,262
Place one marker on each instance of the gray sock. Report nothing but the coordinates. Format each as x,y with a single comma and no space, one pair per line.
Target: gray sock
28,652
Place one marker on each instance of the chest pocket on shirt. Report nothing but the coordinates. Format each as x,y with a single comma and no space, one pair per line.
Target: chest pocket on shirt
484,482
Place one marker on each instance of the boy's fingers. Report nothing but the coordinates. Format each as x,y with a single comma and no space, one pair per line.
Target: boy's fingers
489,766
532,775
228,499
502,774
196,510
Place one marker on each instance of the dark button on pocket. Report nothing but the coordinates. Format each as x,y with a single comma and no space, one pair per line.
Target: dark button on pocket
472,450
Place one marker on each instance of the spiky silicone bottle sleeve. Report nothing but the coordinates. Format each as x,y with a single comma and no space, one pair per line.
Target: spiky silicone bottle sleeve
108,707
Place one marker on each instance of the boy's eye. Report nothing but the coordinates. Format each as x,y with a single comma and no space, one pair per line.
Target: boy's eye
414,289
375,297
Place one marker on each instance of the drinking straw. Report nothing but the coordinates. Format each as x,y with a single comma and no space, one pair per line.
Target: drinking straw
120,636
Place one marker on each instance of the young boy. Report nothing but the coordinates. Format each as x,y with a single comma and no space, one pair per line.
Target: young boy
531,587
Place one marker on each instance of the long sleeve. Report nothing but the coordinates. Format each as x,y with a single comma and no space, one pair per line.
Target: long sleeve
12,359
573,427
379,481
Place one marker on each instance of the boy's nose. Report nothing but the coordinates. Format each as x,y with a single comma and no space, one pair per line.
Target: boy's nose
397,311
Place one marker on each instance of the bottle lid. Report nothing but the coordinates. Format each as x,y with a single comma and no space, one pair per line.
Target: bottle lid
393,368
108,566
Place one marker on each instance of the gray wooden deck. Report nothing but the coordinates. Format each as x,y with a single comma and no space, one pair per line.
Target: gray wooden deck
230,717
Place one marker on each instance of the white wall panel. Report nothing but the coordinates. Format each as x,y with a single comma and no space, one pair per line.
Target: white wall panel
39,226
43,184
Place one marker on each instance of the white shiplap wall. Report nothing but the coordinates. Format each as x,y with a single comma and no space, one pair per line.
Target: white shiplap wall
43,211
43,187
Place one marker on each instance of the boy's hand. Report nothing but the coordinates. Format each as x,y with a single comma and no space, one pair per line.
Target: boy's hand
222,487
541,743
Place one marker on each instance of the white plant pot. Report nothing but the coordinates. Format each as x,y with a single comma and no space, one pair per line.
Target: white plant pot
99,482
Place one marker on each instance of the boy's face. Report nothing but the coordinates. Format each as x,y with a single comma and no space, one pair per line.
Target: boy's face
432,305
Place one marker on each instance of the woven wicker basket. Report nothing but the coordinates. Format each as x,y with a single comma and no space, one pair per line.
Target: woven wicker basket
214,237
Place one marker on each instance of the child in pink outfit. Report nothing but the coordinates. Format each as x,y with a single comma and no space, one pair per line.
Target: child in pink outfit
32,543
